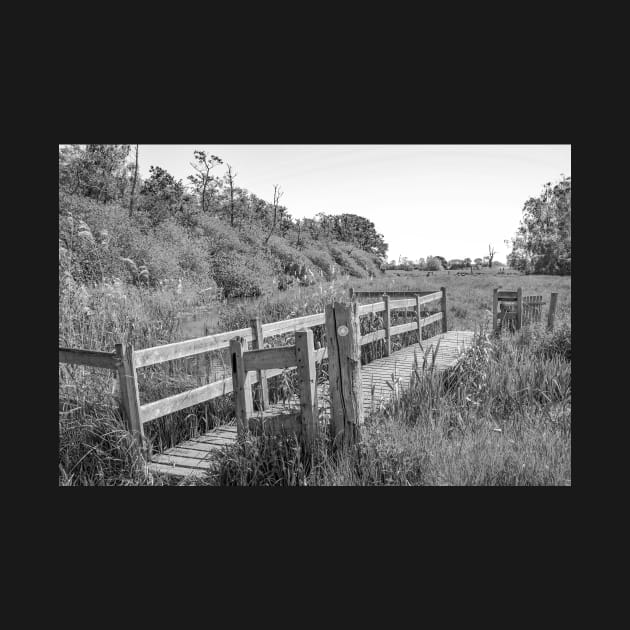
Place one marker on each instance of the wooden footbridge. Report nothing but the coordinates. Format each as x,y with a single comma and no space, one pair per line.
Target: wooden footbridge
352,390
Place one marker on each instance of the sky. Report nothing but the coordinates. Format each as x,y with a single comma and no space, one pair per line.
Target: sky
446,200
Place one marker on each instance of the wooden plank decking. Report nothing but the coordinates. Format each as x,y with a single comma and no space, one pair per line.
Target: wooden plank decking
376,375
195,456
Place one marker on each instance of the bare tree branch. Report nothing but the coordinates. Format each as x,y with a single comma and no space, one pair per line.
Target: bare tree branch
276,198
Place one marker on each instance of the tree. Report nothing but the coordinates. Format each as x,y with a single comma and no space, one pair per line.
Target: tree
299,225
132,197
542,243
276,198
203,181
106,163
94,170
491,253
162,194
434,263
229,178
478,262
443,262
353,229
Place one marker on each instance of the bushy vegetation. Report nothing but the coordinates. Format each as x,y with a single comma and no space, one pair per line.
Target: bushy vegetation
113,225
543,241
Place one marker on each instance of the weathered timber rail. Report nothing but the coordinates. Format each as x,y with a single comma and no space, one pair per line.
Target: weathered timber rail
343,401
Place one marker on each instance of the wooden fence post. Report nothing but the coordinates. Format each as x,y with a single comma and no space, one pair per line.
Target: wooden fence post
495,308
551,316
241,384
129,396
262,388
519,308
387,323
351,292
344,371
444,322
305,354
418,316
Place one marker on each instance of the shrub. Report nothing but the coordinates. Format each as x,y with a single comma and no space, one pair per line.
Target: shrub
346,263
434,264
289,261
322,259
218,236
240,275
369,262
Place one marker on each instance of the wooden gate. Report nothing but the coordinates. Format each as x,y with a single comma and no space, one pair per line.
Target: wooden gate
511,310
532,308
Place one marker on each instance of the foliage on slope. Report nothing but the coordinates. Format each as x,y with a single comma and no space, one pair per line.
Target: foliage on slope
114,227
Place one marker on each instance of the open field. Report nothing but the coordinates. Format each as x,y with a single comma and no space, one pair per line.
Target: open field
470,296
505,419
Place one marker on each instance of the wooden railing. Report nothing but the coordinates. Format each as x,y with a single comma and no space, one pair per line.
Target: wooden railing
301,356
386,307
263,362
513,310
120,361
392,294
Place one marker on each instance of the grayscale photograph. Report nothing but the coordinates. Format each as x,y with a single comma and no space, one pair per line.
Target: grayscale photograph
314,315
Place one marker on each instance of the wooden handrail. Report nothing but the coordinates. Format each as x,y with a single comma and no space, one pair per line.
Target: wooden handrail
265,362
401,328
392,294
189,348
176,402
375,307
291,325
93,358
219,341
269,358
373,336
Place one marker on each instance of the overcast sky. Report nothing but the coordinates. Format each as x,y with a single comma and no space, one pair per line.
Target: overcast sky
446,200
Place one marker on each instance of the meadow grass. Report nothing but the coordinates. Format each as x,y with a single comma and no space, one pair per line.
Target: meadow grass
503,417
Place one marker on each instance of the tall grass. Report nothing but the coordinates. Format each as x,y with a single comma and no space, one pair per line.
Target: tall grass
501,417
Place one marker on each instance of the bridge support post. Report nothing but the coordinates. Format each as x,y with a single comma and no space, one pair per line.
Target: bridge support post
519,308
241,384
444,322
129,396
262,388
551,316
305,355
344,372
387,323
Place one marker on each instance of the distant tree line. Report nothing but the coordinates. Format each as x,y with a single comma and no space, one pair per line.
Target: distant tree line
439,263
